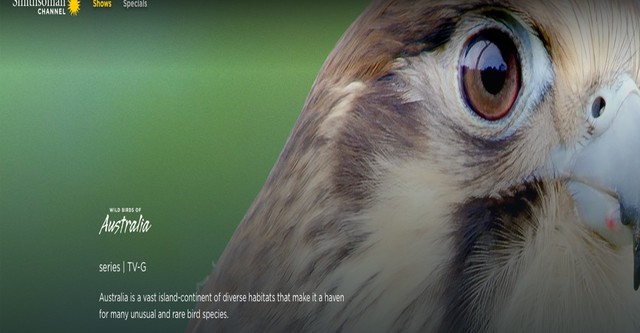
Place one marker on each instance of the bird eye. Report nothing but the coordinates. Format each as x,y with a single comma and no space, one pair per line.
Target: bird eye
490,74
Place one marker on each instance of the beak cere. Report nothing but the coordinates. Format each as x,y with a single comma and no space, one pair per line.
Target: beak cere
604,171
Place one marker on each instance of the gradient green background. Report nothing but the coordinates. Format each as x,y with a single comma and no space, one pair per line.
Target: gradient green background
180,109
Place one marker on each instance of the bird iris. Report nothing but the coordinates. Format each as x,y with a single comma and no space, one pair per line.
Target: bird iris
490,74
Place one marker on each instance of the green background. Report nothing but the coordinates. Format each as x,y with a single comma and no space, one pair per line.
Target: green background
179,109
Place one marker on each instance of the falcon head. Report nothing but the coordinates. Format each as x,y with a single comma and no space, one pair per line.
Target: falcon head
458,166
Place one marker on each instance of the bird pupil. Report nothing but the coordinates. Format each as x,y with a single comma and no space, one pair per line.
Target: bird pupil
493,69
493,79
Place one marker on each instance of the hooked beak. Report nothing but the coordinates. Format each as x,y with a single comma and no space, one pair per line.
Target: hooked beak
604,172
631,217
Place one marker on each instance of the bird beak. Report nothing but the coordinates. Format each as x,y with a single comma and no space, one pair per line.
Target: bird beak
604,171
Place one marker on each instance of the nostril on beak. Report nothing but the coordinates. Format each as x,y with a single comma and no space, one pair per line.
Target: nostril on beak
597,108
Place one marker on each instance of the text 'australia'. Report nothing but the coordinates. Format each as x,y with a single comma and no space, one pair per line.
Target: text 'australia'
124,226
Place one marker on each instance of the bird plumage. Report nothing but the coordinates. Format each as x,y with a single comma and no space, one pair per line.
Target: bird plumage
426,217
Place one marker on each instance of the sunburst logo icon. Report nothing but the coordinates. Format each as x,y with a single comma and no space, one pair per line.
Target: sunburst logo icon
74,7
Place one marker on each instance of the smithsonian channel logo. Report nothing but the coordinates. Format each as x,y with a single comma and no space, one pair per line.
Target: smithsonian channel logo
51,7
